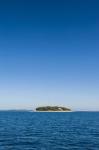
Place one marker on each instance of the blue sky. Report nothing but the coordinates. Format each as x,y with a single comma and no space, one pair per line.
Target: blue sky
49,53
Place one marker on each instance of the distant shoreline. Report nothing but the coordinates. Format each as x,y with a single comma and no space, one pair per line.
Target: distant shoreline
20,110
53,111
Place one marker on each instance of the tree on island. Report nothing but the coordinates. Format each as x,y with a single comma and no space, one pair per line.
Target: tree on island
52,108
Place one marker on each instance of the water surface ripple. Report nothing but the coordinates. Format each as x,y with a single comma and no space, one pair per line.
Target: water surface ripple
49,131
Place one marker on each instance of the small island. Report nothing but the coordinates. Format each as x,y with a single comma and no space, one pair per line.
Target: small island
52,109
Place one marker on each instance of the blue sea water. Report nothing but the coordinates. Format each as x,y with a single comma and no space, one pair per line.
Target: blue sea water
49,131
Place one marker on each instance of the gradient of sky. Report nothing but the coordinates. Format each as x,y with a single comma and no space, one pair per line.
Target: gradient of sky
49,53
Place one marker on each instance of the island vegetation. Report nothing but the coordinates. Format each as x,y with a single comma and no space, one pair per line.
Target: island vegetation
52,108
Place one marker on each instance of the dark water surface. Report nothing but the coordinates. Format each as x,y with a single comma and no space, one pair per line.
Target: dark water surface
49,131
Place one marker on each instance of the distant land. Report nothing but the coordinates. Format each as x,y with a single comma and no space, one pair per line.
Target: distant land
53,108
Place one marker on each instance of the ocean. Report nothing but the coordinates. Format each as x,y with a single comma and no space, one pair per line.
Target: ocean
22,130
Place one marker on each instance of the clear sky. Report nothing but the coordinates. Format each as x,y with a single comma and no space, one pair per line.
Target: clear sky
49,53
